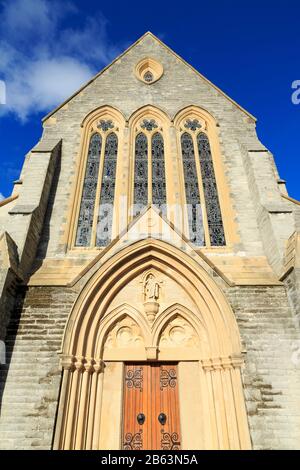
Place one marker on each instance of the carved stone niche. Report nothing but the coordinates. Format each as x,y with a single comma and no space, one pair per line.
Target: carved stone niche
151,295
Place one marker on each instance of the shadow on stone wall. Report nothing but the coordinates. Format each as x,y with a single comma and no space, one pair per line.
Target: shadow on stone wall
11,334
45,235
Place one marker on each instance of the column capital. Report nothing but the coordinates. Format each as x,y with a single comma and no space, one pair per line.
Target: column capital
99,366
221,363
67,362
89,365
80,362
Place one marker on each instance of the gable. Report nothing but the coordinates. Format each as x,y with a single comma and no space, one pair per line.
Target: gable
118,85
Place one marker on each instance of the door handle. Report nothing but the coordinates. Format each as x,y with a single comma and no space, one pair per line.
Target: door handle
162,418
141,418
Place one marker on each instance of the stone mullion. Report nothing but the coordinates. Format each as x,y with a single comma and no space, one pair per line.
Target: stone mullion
150,172
174,182
122,189
98,192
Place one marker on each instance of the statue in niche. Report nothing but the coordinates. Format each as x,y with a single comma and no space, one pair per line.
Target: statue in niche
151,293
151,289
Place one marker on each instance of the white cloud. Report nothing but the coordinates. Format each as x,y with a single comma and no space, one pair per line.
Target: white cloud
44,83
42,61
2,197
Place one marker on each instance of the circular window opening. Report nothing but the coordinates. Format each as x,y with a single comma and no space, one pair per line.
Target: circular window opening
149,71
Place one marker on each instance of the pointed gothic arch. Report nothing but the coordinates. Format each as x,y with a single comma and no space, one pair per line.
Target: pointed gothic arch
87,213
208,314
215,204
149,175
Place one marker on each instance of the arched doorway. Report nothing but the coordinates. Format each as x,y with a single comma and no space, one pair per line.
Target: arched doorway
153,311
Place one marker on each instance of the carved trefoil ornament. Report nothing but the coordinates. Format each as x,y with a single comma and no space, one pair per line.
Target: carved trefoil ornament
105,125
192,124
125,334
179,333
149,124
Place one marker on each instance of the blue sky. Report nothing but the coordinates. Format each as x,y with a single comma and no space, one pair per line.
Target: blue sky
250,50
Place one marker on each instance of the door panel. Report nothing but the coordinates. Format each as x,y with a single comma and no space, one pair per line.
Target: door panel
151,390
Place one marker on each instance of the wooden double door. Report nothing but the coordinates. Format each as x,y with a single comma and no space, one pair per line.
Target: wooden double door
151,408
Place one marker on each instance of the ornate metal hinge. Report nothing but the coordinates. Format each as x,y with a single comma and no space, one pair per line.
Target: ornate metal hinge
134,378
168,378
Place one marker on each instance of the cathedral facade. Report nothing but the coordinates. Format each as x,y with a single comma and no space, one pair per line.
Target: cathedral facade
150,272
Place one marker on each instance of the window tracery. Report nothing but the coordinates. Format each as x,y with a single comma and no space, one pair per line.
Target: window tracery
148,177
87,207
192,193
213,210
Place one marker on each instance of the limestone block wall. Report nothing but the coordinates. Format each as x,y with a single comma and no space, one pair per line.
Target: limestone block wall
179,87
291,276
22,222
9,280
25,219
30,386
38,221
271,375
30,381
274,215
292,282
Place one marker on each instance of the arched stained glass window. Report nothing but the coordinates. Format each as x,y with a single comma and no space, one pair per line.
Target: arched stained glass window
87,207
192,190
214,216
159,196
107,194
140,199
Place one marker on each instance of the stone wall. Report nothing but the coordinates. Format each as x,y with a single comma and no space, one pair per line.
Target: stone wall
30,382
9,280
271,375
179,87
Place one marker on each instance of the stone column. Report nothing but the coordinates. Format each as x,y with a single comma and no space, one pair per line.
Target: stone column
214,369
99,369
67,364
239,399
230,408
72,408
211,441
225,392
83,401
